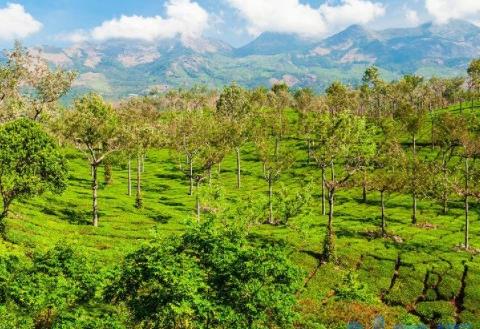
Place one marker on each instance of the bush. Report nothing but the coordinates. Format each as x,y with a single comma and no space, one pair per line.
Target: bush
353,290
208,278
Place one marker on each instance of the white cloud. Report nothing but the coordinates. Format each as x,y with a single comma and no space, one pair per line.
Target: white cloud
412,17
183,17
291,16
75,36
446,10
16,23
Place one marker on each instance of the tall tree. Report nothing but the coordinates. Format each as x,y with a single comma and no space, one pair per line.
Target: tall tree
140,118
447,135
413,118
233,110
187,135
30,164
31,87
389,176
348,138
474,75
274,157
92,126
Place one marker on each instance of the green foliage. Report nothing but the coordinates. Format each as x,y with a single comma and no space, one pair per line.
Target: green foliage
47,289
208,278
30,162
288,203
352,289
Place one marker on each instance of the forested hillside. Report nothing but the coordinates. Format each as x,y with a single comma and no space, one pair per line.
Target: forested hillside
239,208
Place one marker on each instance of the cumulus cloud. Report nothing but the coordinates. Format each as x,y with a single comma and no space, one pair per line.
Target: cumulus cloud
16,23
76,36
412,17
183,17
446,10
291,16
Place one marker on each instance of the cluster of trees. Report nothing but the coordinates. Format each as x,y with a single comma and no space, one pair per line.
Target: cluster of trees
366,136
206,278
384,137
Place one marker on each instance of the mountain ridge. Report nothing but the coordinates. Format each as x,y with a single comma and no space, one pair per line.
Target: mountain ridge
117,68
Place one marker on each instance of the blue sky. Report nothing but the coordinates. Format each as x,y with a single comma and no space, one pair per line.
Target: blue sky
234,21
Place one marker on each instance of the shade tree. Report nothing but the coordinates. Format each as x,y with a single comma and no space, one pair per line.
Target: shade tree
31,163
233,110
142,130
92,126
347,138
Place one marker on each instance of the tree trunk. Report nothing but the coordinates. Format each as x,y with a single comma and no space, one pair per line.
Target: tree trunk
94,195
329,245
129,191
197,200
414,208
4,214
237,151
309,154
190,163
414,192
364,187
277,142
382,199
143,162
138,196
270,201
467,222
107,165
323,191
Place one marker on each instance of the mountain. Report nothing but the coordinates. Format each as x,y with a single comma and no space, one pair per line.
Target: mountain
118,68
274,43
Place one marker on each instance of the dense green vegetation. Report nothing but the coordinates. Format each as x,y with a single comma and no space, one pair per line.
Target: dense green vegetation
245,209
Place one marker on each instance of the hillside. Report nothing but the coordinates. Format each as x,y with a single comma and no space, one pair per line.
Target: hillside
119,68
417,274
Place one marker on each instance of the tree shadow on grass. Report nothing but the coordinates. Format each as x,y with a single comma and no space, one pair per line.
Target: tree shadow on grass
161,218
159,188
171,176
76,217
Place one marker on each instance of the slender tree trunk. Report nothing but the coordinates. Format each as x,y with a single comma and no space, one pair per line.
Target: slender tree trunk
364,186
323,191
277,144
382,200
414,192
94,195
237,151
444,193
414,208
129,191
138,196
467,221
107,172
190,163
143,162
219,168
329,245
197,200
4,215
270,201
432,132
309,154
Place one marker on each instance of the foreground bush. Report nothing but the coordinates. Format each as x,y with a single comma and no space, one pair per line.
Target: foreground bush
208,278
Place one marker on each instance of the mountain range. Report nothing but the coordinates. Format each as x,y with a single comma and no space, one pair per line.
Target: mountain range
119,68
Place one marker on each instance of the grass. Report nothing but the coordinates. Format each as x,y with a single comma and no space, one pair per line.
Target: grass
428,286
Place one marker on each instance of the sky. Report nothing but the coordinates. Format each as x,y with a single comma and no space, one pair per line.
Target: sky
62,22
